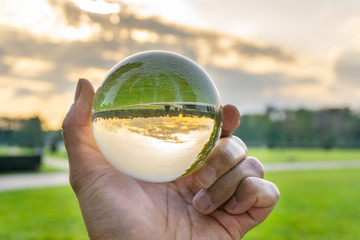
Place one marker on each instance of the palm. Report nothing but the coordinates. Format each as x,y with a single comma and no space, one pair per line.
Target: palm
176,202
168,207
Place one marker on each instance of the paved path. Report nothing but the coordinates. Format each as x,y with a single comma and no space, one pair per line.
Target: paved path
37,180
57,163
305,166
32,180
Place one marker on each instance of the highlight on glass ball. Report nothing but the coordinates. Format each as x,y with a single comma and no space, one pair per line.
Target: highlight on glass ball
156,116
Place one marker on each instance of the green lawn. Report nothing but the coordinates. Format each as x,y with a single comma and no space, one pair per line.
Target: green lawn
154,78
314,205
48,169
15,150
49,213
303,154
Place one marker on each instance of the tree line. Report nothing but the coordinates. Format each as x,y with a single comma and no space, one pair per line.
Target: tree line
130,113
25,132
327,128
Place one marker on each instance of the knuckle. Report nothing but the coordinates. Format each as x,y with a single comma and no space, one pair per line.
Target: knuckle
266,192
230,151
65,124
77,179
223,153
76,176
222,190
256,166
74,183
240,143
68,126
250,185
67,120
274,192
228,186
225,158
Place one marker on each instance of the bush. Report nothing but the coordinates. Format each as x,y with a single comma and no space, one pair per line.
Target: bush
19,163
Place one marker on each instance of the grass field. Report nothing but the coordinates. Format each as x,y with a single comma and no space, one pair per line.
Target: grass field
314,205
156,77
50,213
14,150
303,154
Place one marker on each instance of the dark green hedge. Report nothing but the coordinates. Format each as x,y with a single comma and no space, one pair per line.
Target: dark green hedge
19,163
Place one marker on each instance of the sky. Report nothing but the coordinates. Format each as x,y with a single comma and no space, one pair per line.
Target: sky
283,53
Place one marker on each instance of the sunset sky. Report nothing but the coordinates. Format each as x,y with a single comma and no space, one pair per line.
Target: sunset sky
282,53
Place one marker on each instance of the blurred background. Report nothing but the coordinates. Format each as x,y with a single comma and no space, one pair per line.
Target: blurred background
291,67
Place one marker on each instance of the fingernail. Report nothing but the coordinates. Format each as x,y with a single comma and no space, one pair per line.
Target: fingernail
206,176
230,205
202,201
78,90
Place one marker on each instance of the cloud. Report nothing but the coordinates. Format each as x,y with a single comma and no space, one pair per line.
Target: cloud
269,51
47,60
27,67
247,73
253,92
24,91
347,67
30,57
72,13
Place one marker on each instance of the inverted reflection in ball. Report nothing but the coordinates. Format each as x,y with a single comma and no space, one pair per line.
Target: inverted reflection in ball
156,116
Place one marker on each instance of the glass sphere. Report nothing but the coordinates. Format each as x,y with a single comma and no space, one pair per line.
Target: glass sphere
156,116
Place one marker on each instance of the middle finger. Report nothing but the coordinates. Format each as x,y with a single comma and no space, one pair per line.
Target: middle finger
227,153
207,200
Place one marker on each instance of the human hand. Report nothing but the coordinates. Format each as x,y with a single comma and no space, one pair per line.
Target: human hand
223,198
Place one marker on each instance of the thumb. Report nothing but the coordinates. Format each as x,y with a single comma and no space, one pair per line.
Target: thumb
76,127
79,115
83,153
84,96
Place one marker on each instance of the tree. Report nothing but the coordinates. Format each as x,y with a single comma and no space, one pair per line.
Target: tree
21,132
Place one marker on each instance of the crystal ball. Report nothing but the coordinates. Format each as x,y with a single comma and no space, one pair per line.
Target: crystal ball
156,116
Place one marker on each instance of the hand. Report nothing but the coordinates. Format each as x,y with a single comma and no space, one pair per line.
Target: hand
223,198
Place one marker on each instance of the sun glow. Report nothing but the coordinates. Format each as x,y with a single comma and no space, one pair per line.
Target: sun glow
49,23
27,67
98,6
143,35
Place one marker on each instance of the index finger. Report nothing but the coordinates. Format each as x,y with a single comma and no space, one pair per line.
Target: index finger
231,120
